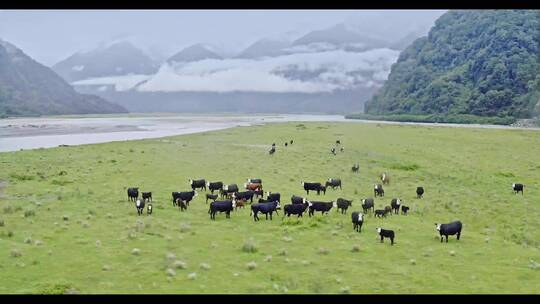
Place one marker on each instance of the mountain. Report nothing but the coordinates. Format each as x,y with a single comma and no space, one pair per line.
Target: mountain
119,58
30,88
265,47
192,53
480,62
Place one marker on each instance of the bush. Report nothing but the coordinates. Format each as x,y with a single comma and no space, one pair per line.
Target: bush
65,218
136,251
323,251
106,268
171,272
28,240
192,276
8,209
204,266
179,264
437,118
249,246
251,265
21,177
355,248
1,223
15,253
185,228
29,213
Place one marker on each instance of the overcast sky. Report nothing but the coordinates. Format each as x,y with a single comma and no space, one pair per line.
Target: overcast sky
49,36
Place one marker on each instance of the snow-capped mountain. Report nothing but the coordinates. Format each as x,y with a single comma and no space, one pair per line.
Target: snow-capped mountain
193,53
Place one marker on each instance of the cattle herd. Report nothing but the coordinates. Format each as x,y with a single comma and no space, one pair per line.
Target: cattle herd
231,199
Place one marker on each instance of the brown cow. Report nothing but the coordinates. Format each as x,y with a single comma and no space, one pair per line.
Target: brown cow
385,178
240,203
253,186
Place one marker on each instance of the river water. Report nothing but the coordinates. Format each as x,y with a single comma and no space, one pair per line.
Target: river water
34,133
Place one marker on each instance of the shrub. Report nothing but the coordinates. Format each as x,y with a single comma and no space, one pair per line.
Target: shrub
413,261
136,251
8,209
283,252
249,246
251,265
179,264
204,266
171,272
98,243
192,276
65,218
268,258
21,177
355,248
1,223
15,253
184,228
106,268
323,251
28,240
38,243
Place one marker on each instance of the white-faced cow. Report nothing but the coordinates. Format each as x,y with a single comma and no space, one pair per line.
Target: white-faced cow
323,207
295,209
212,186
314,187
453,228
404,209
396,204
221,206
355,168
139,204
186,196
149,209
357,220
213,197
386,234
368,204
133,194
385,179
334,183
518,188
147,196
264,208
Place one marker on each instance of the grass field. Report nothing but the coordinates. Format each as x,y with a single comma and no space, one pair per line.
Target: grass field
66,225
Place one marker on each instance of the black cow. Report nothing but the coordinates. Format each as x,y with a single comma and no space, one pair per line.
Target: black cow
419,192
518,188
355,168
272,151
221,206
334,183
449,229
244,195
149,209
368,204
388,210
273,197
313,187
133,194
181,204
265,208
140,206
286,143
212,186
378,190
258,193
291,141
343,204
386,234
297,200
213,197
254,180
197,184
357,220
147,196
184,196
404,209
323,207
297,209
228,190
342,149
333,151
395,203
338,142
380,213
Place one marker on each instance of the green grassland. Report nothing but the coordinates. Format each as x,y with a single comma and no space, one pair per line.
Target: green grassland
66,225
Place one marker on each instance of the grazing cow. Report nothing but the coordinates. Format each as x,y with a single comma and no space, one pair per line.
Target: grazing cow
253,186
334,183
518,188
323,207
297,200
286,144
419,192
181,204
265,208
291,141
147,196
271,197
313,187
333,151
395,203
140,206
338,142
343,204
388,210
297,209
380,213
385,178
404,209
240,203
149,209
197,184
386,234
378,190
357,220
213,197
323,189
254,180
221,206
355,168
272,151
212,186
258,193
184,196
244,195
342,149
133,194
449,229
228,190
368,204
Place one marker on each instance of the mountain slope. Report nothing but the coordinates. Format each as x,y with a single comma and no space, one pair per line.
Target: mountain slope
120,58
192,53
264,47
30,88
483,63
